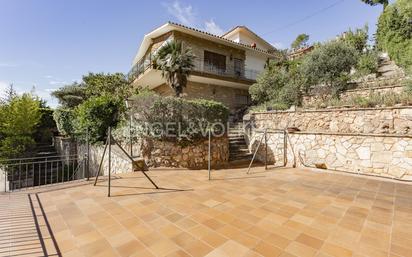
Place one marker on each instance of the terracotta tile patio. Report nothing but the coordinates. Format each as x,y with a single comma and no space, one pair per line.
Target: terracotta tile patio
280,212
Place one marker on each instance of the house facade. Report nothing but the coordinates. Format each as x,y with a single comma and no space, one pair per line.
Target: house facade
224,68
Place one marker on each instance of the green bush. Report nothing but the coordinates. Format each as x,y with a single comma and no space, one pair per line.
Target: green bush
96,115
394,32
177,118
368,63
64,119
280,82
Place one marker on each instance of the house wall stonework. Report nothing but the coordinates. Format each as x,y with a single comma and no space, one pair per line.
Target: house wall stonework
194,90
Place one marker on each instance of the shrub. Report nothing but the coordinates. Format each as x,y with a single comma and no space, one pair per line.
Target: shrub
280,82
269,83
368,63
174,118
96,115
329,64
64,119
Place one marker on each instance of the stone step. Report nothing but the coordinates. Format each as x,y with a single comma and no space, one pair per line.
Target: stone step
239,152
237,141
244,157
237,145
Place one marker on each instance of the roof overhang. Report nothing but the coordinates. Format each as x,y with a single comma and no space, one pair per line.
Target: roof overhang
170,26
246,30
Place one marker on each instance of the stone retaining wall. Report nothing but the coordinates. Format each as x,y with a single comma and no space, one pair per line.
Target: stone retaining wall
160,153
387,156
390,120
65,146
310,100
194,156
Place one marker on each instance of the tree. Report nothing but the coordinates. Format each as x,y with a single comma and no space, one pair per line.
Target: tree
385,3
96,115
71,95
92,85
176,64
9,94
329,65
300,41
101,84
18,123
357,39
394,32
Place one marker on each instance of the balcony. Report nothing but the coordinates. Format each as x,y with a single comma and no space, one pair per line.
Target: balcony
201,67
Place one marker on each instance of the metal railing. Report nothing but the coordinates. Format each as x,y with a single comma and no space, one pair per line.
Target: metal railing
24,173
200,65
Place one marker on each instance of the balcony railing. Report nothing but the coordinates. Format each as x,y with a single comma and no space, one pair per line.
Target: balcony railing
200,65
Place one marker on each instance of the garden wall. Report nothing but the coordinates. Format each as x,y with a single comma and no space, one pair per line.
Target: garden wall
387,156
389,120
193,156
310,100
370,141
164,154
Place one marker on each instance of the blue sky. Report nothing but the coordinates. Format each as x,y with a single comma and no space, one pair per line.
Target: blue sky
50,43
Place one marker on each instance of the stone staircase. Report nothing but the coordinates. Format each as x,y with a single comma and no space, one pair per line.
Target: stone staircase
388,75
238,149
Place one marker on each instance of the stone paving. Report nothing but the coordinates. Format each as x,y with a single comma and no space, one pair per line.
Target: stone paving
279,212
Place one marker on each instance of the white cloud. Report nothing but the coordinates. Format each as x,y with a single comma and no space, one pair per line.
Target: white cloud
184,14
212,27
48,76
278,45
7,65
57,82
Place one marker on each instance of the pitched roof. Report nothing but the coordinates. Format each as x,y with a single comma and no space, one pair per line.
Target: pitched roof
222,37
169,27
250,32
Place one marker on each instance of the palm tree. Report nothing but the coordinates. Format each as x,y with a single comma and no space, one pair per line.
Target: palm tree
176,64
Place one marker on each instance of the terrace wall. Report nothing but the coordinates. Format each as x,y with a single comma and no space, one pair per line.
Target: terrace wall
388,120
352,140
161,153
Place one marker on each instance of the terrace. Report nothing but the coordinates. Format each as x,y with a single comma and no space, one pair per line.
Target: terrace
278,212
201,67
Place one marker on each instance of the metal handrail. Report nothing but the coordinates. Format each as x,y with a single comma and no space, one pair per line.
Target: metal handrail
200,65
36,158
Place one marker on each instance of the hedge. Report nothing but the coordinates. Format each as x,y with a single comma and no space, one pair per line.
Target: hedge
174,118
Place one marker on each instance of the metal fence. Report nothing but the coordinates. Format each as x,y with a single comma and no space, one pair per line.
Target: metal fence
200,65
24,173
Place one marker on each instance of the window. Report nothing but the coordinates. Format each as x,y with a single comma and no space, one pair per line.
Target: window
214,62
238,67
242,100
